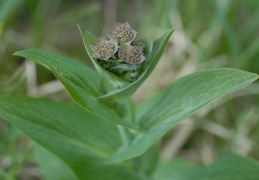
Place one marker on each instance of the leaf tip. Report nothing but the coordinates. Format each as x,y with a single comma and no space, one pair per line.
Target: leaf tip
170,32
17,53
79,27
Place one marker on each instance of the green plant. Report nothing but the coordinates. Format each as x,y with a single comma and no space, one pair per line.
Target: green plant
105,135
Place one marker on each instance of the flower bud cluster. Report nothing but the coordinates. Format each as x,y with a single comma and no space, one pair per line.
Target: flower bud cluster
117,52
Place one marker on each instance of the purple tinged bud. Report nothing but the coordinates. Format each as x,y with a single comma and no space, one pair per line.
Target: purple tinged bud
131,54
105,48
123,33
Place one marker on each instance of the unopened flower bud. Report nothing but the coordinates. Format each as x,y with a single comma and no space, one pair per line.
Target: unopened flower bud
131,75
134,73
105,64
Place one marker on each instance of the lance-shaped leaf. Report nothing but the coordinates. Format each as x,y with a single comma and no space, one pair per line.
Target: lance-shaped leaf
83,83
159,114
147,67
175,169
81,139
228,167
51,166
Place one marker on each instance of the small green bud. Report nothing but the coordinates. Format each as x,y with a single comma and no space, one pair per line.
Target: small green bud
105,64
131,75
134,73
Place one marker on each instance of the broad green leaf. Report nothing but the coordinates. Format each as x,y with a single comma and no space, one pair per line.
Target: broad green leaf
83,83
148,161
229,167
175,169
81,139
190,93
125,90
159,114
51,166
148,66
64,123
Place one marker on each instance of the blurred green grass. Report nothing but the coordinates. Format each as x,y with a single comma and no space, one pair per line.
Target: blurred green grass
209,34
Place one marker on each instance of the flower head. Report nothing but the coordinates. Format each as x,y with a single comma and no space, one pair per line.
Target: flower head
119,53
123,33
105,48
131,54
